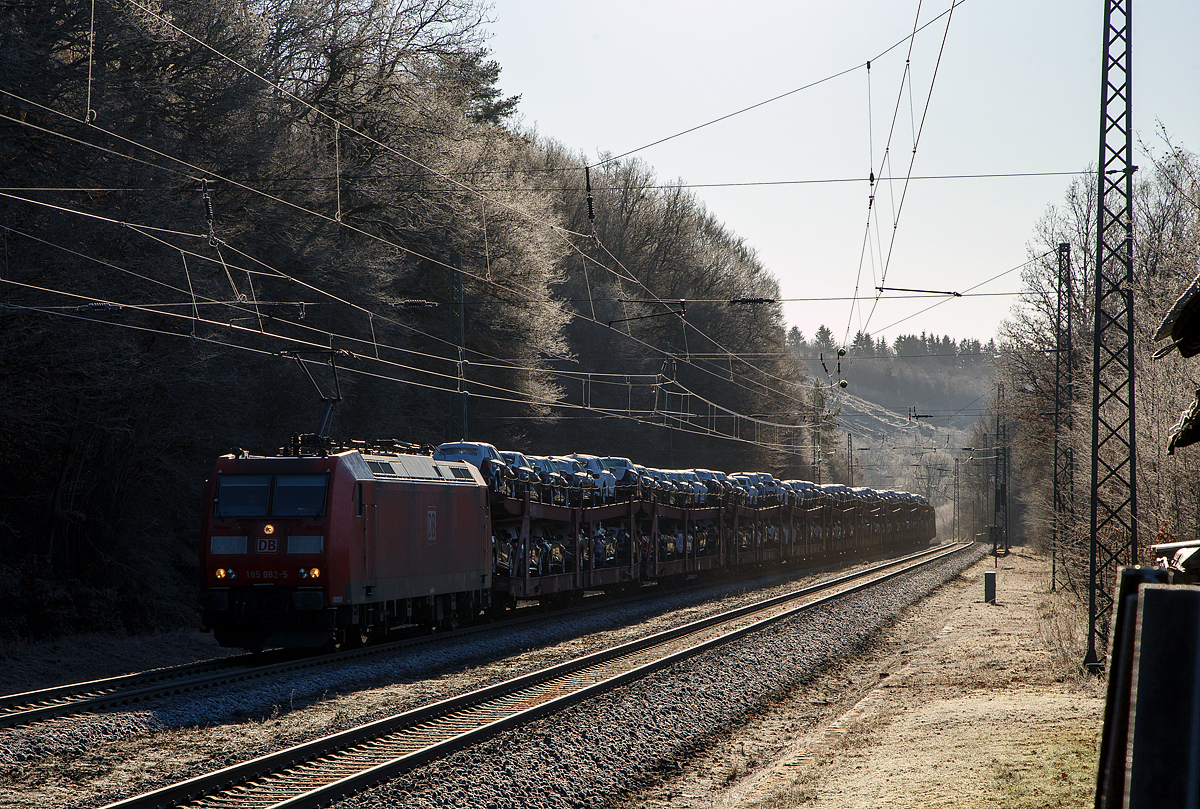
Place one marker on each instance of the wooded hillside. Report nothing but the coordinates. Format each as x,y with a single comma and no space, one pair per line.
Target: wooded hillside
199,195
937,377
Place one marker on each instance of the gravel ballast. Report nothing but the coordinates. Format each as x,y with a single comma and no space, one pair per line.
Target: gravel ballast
605,749
266,715
437,670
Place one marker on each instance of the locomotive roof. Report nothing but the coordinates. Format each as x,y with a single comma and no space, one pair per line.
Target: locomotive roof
390,466
422,467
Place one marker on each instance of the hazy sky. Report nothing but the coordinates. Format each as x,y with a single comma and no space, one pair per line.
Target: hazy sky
1017,90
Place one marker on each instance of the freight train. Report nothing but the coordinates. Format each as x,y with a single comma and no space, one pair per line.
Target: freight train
326,547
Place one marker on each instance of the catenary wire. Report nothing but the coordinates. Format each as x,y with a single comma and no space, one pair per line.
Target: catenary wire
912,158
306,344
331,119
418,370
213,301
550,189
268,196
562,231
278,273
981,283
398,153
782,95
677,424
699,331
325,333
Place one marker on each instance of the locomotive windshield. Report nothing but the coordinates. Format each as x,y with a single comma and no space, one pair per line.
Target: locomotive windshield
298,496
243,495
251,496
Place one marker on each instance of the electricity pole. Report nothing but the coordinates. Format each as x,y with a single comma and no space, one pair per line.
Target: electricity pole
957,503
1114,520
462,343
816,435
1000,482
1064,454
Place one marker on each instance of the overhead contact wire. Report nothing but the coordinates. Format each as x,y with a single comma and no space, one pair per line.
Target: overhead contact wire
557,229
913,158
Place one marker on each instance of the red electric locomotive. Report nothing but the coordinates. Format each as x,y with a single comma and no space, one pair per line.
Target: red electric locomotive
315,550
323,547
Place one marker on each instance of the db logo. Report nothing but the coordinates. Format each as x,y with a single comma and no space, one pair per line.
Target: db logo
268,545
431,524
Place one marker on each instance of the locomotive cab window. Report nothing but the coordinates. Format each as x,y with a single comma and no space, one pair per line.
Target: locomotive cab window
299,496
254,496
242,495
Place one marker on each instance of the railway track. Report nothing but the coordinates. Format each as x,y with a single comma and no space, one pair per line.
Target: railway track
95,695
324,770
128,689
44,703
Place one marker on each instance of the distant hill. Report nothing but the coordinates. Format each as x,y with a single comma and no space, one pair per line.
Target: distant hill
907,406
935,378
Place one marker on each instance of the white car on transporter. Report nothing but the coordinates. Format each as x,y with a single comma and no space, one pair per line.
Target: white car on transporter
606,481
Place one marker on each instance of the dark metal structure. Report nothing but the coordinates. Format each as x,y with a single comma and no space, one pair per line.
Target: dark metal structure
1114,522
456,259
1000,484
957,532
1064,454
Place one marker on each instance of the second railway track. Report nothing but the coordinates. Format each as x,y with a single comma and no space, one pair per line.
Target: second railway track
146,686
128,689
44,703
321,771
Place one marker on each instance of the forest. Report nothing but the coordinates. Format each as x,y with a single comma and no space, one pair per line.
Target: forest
943,378
206,204
217,218
1166,260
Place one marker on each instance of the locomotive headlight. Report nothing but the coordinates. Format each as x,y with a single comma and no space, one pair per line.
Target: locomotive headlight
268,529
225,573
220,573
315,572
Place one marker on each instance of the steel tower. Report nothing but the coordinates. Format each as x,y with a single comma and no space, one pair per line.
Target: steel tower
1062,549
1114,522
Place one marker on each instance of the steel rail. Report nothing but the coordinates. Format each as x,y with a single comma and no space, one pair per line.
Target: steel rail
76,698
323,770
29,706
126,689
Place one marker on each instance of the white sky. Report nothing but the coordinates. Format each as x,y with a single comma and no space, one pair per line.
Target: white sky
1018,90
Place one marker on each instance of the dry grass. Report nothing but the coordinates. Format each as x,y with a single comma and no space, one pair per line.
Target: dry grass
856,734
1063,629
1012,674
1057,769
